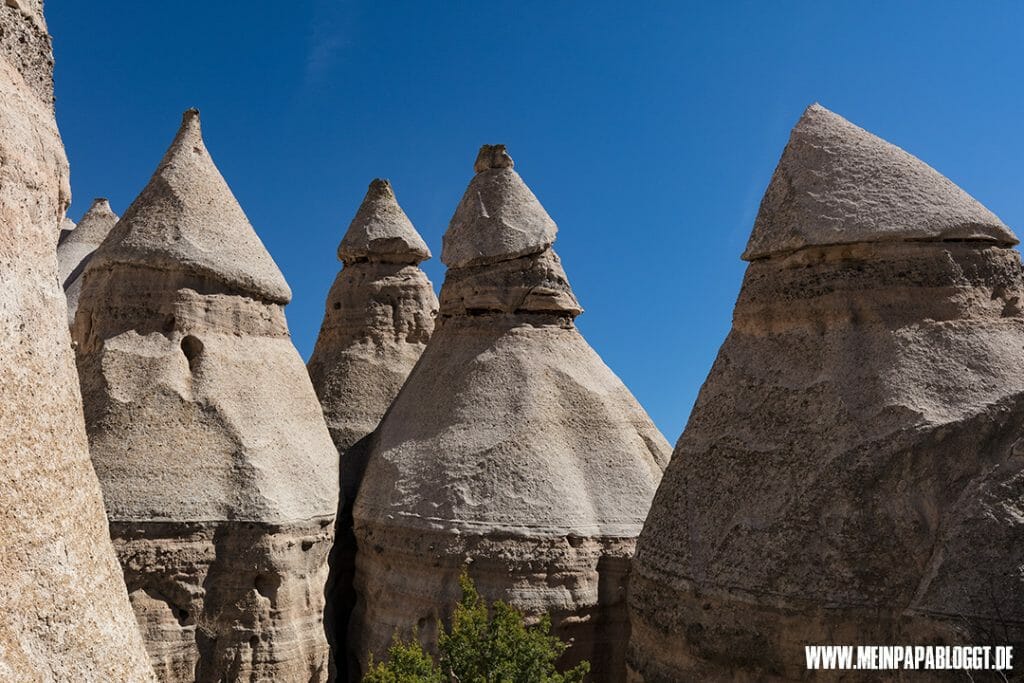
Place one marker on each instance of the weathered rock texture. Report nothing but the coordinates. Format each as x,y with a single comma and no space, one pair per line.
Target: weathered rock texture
75,250
67,226
380,313
511,447
218,473
852,469
64,614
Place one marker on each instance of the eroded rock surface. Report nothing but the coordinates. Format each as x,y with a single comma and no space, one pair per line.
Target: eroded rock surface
853,469
77,247
64,613
511,448
379,315
219,475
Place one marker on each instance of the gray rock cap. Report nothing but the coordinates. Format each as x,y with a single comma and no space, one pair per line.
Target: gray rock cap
499,218
837,184
381,231
186,218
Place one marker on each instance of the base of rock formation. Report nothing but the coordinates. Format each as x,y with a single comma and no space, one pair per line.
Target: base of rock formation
580,581
229,601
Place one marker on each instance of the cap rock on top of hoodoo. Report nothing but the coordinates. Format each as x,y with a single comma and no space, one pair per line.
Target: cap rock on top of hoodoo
218,472
377,321
512,447
852,466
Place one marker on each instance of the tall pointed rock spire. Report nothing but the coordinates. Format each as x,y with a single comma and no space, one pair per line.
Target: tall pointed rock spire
75,250
858,433
379,315
187,218
511,448
64,612
218,472
839,184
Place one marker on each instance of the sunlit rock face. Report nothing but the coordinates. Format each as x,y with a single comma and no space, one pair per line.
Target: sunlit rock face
512,448
379,315
852,469
64,613
218,473
77,246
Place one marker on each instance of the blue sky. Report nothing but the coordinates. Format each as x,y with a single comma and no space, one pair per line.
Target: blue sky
649,130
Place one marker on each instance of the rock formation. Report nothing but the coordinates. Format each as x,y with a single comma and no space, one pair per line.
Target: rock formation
379,315
853,469
218,473
64,614
67,226
75,250
511,447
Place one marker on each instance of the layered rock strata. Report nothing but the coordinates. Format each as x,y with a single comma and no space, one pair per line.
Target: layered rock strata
64,613
218,473
512,448
853,469
75,250
379,315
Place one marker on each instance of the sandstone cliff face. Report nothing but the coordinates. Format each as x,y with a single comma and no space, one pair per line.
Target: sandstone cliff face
218,473
379,316
77,247
511,447
853,468
65,615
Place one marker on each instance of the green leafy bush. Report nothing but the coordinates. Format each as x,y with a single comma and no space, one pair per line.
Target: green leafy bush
483,646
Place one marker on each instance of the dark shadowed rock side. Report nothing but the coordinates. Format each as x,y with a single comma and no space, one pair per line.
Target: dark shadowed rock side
218,473
379,315
64,613
77,247
852,469
511,448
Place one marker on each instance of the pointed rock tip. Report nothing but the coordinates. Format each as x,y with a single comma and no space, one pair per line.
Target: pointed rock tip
836,183
94,225
492,156
186,219
498,218
381,231
99,205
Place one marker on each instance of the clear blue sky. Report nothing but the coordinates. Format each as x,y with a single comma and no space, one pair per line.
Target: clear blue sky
649,130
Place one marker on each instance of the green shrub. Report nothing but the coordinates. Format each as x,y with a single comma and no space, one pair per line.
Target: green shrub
483,646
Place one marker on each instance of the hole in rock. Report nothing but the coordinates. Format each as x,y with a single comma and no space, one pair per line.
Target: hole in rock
192,348
307,544
266,585
254,642
337,306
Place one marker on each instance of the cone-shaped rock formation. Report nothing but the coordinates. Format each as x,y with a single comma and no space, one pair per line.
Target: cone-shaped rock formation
511,447
839,184
379,315
75,250
64,613
852,470
218,472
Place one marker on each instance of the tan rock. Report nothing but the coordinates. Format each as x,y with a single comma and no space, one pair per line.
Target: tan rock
839,184
218,473
75,250
379,315
66,227
511,447
848,474
64,613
